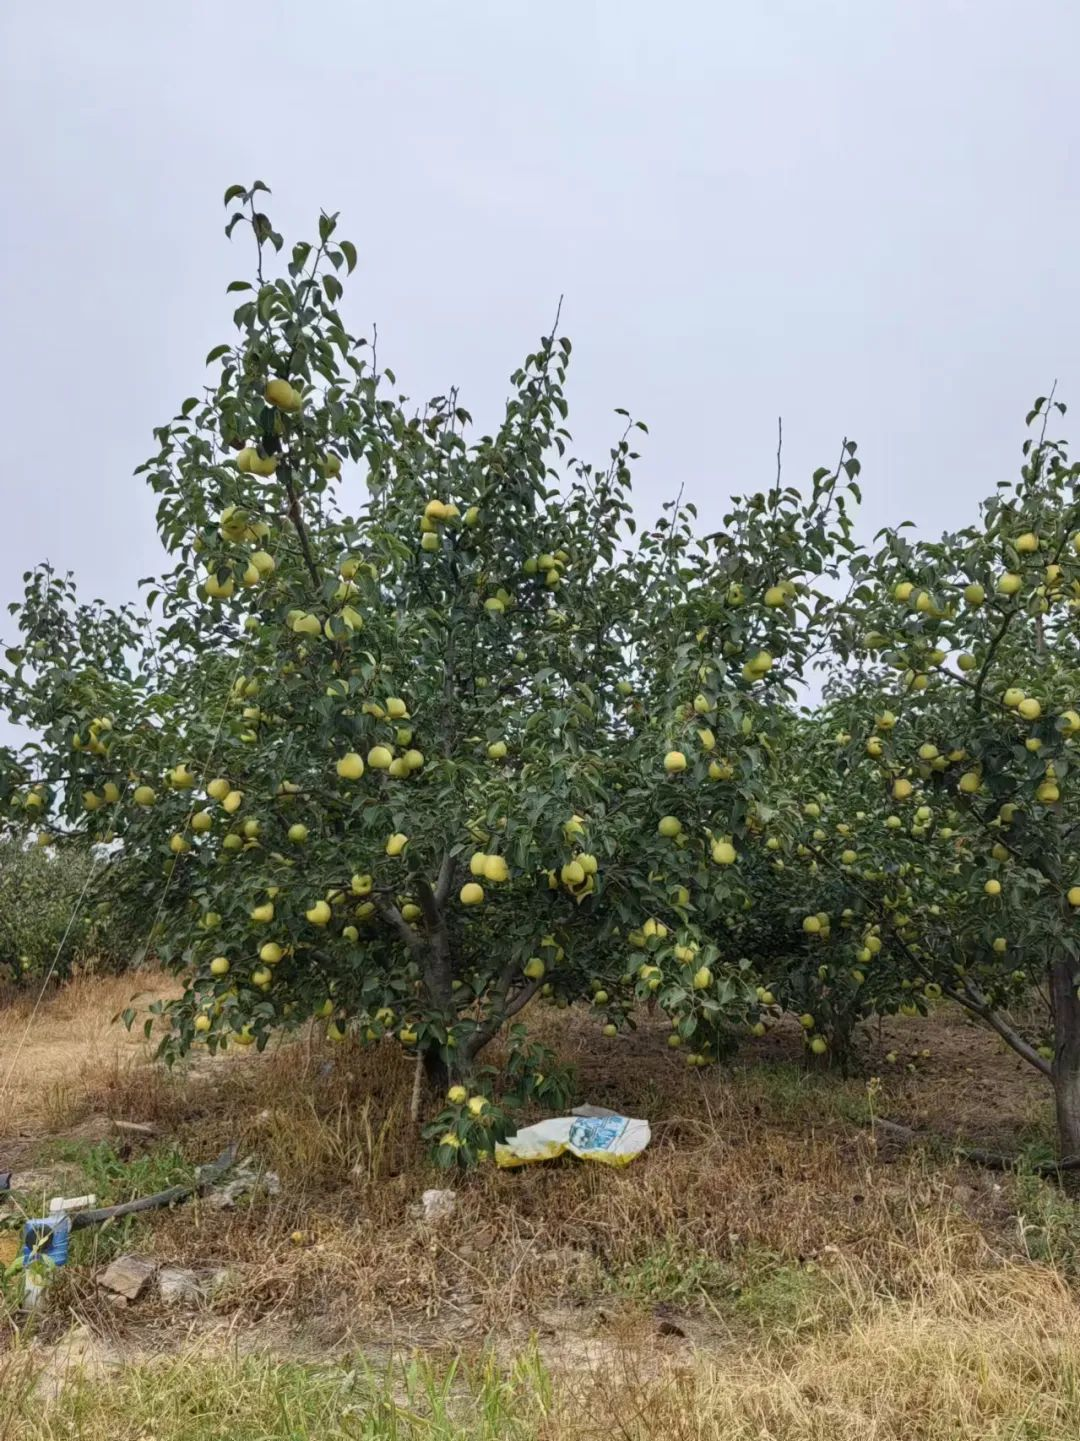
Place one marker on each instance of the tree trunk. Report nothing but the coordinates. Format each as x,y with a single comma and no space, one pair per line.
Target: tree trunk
1066,1011
436,1072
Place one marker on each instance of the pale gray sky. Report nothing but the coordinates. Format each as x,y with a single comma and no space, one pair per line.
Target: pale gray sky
859,214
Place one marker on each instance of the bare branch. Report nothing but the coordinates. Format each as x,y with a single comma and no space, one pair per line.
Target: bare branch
445,880
974,1001
990,1159
487,1032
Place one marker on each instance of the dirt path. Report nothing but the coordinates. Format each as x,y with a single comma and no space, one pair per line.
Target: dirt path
47,1054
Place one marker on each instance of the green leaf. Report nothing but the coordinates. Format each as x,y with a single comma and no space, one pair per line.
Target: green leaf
349,251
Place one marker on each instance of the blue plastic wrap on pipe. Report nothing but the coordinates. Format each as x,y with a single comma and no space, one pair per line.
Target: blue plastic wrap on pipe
47,1238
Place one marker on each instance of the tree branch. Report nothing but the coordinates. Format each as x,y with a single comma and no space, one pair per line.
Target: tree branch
296,516
974,1001
991,650
487,1032
393,917
992,1160
445,880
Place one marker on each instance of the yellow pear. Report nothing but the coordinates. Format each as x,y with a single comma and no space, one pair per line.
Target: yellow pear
282,394
350,767
495,869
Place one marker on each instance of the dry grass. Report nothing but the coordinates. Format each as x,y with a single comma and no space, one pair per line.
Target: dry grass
967,1360
50,1052
763,1270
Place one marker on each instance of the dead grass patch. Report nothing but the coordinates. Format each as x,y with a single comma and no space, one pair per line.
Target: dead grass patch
971,1358
762,1204
50,1054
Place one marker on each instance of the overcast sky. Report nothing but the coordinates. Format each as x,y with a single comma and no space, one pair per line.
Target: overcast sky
861,215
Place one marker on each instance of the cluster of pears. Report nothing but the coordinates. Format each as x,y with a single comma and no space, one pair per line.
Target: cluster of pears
438,512
236,526
550,565
381,757
577,875
483,867
283,396
307,623
99,736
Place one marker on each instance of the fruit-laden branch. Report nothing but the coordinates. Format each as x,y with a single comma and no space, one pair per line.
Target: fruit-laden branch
991,650
970,998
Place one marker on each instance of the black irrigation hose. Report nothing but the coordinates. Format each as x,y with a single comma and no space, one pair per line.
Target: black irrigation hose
172,1197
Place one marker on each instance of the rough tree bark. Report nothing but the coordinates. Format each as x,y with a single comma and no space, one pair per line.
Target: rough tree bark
1066,1073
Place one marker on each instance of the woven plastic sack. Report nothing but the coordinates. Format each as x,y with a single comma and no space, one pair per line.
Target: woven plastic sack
590,1133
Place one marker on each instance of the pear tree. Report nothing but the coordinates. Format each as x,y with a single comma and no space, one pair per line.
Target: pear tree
416,727
934,823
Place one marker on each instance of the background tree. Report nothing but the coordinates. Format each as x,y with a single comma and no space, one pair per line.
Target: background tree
937,833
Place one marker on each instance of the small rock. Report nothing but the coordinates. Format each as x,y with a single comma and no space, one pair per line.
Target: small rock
128,1276
436,1206
177,1285
43,1181
135,1128
244,1180
93,1128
